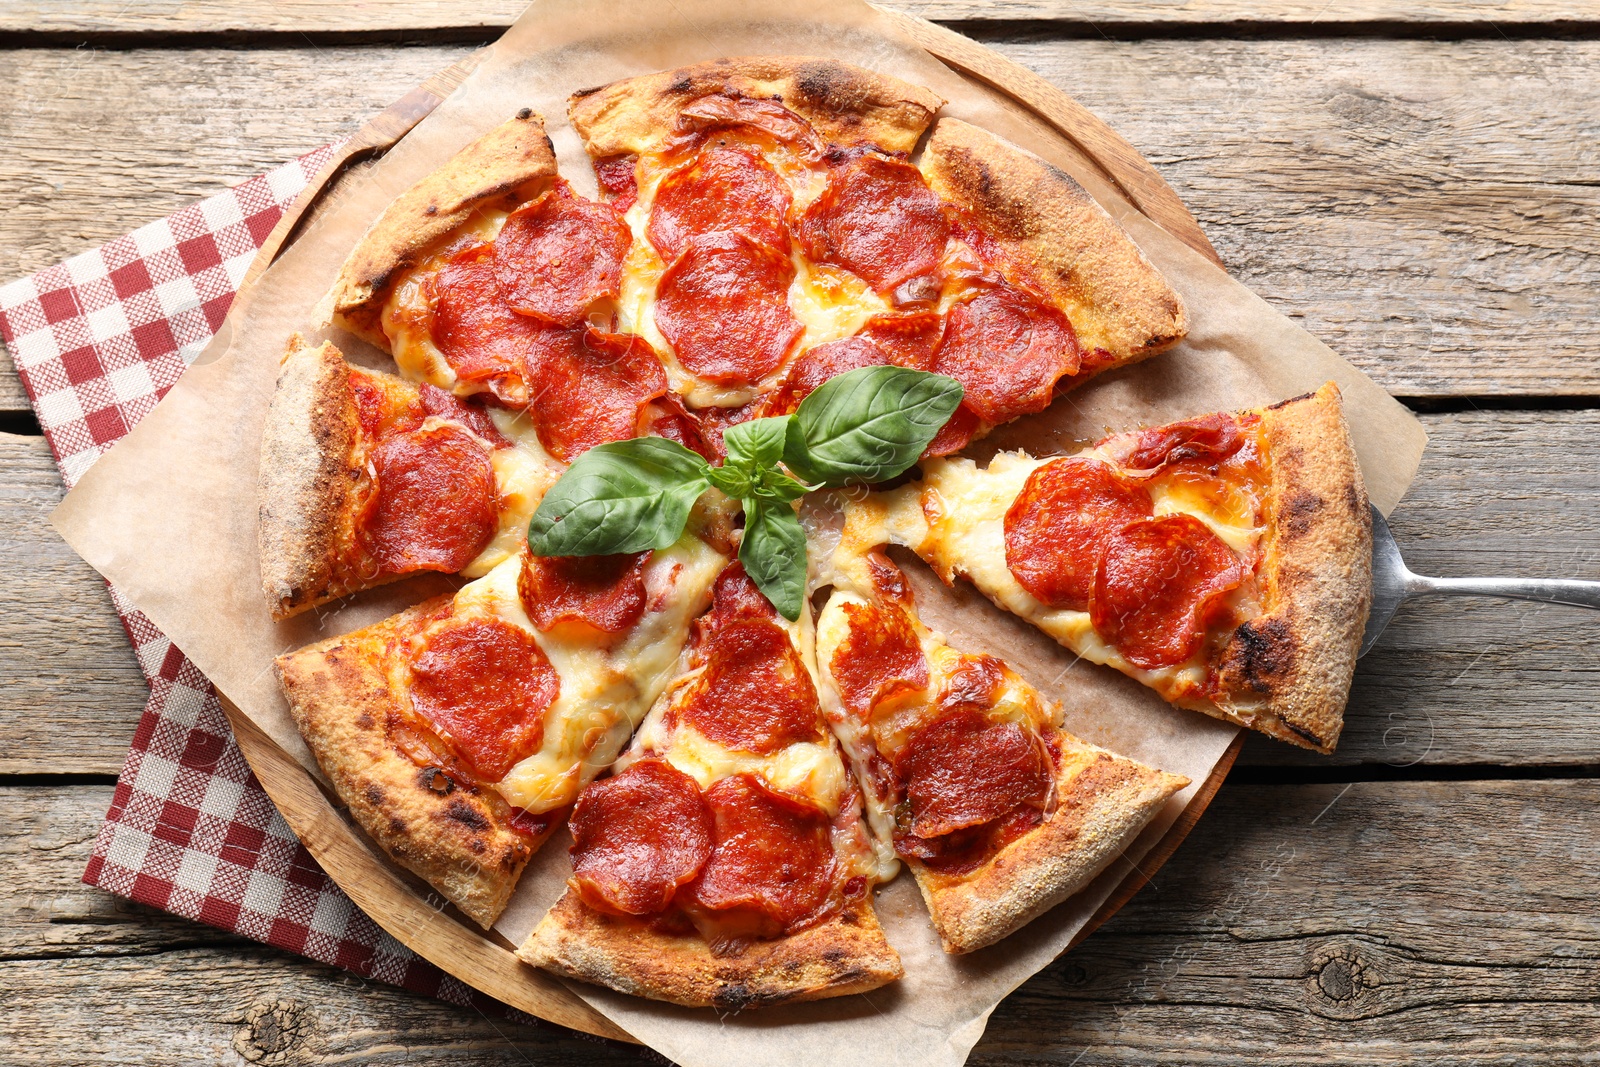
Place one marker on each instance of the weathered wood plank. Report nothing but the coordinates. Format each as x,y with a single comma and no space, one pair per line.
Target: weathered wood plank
101,17
1453,681
1423,922
1422,206
69,684
78,171
1298,924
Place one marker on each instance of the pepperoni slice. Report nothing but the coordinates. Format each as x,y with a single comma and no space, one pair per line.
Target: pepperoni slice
637,836
877,219
484,684
603,593
964,769
901,340
880,658
714,422
957,433
1057,527
1154,585
618,177
773,856
723,306
592,388
720,111
475,417
724,190
974,683
1007,349
480,337
559,254
667,417
435,506
1210,438
756,694
735,597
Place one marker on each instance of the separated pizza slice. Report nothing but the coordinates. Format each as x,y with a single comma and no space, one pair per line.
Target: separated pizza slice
725,862
367,478
969,778
458,732
1224,561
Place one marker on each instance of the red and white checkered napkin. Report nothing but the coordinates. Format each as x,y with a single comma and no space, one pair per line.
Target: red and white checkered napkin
98,340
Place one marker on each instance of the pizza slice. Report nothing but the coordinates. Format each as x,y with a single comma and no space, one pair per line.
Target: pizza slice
367,478
725,862
969,778
459,731
783,234
1224,561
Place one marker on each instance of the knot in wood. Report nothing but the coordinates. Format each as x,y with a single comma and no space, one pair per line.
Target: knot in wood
1339,978
273,1032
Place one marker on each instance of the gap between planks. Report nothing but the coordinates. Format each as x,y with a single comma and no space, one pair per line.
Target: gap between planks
1417,205
241,21
1298,924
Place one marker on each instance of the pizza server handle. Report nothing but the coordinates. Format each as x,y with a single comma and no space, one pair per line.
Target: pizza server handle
1393,584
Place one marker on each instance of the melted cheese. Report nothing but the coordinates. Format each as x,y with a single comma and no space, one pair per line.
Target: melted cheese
957,523
606,685
814,770
893,721
407,316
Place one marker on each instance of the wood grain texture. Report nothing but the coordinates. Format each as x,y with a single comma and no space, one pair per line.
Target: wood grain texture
1298,925
1424,207
103,17
185,126
1453,681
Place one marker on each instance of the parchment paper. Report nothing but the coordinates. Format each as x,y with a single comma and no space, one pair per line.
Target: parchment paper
169,514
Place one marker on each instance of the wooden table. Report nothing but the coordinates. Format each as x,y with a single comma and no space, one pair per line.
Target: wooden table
1418,183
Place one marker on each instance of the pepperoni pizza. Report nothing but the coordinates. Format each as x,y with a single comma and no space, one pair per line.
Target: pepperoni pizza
725,862
1223,561
968,776
761,226
459,732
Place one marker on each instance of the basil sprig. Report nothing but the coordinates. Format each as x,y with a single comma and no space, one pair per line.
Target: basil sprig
865,425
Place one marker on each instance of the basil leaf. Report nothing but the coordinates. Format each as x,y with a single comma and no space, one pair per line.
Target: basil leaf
774,554
625,496
778,486
757,443
868,425
735,481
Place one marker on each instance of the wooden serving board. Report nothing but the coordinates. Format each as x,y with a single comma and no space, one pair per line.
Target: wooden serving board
486,961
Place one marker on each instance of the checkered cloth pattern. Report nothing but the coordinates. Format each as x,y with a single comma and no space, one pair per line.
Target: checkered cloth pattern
97,341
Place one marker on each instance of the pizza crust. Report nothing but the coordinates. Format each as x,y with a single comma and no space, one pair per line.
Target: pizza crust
846,954
340,697
1103,801
307,478
509,165
1291,667
845,104
1070,246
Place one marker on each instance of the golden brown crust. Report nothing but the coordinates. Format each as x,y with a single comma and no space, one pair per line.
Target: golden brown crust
845,104
1103,801
1064,242
846,954
307,478
341,699
1289,669
507,166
